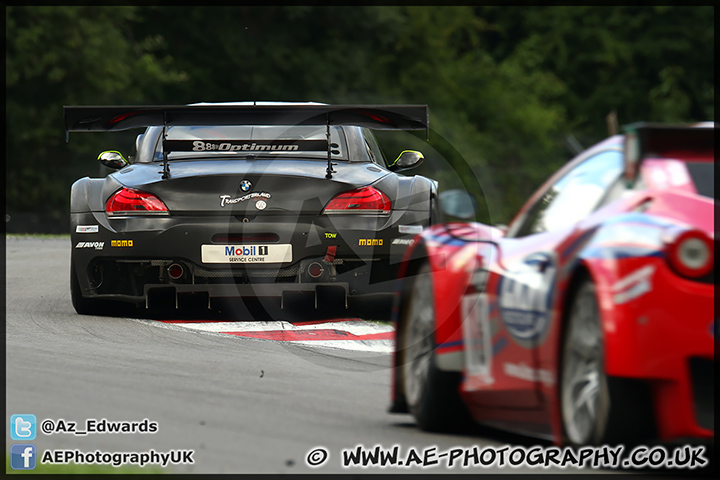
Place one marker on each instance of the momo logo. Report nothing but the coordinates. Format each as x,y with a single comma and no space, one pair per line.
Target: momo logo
374,242
121,243
525,298
95,245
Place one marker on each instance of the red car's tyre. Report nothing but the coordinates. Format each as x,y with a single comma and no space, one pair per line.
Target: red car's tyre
432,395
597,409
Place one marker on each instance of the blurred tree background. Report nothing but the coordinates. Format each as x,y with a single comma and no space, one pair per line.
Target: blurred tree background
512,90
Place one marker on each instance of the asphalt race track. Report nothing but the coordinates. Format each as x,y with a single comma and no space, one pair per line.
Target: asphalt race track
241,404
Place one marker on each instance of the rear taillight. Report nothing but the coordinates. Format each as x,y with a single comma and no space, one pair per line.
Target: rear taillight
690,253
361,200
127,201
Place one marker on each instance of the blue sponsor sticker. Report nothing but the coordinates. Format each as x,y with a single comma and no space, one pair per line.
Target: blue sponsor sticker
525,298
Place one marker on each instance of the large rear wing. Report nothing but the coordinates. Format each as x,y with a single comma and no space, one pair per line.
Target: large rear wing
682,142
117,118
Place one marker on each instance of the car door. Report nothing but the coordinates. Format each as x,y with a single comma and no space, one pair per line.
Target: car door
514,311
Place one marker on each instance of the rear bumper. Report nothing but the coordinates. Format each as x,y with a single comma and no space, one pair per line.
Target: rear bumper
289,295
128,259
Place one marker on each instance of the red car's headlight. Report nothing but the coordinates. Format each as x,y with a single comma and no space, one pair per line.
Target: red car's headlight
690,253
127,201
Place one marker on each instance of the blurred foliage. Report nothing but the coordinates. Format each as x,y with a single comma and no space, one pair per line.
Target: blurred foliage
506,86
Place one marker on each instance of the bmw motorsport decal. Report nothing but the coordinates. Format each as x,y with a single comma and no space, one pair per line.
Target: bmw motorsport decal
413,229
525,298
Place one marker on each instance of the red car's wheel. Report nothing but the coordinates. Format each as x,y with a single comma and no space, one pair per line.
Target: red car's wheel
597,409
584,385
431,394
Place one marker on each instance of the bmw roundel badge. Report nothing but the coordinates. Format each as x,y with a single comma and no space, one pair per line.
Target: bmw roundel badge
245,185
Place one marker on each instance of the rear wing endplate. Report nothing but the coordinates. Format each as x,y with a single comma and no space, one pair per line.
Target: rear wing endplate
644,140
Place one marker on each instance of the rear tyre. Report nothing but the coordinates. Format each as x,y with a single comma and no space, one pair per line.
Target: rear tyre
597,409
432,395
87,306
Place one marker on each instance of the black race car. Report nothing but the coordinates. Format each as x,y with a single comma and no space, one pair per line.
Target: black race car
288,207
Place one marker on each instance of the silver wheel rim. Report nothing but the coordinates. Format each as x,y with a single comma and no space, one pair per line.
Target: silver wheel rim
418,339
582,374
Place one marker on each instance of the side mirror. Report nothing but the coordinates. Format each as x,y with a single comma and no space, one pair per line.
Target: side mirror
112,159
407,159
457,203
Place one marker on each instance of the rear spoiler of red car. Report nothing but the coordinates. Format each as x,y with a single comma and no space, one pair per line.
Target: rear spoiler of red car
117,118
682,142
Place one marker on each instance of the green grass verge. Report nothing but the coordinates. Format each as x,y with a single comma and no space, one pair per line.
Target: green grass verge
37,235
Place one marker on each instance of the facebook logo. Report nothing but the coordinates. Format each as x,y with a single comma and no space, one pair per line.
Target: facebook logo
23,427
22,457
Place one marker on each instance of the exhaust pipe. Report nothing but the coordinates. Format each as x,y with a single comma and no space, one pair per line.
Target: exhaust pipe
315,270
175,271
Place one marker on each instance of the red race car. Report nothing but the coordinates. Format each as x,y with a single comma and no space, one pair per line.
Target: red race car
589,319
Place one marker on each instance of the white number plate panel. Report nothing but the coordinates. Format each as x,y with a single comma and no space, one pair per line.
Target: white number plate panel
247,253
